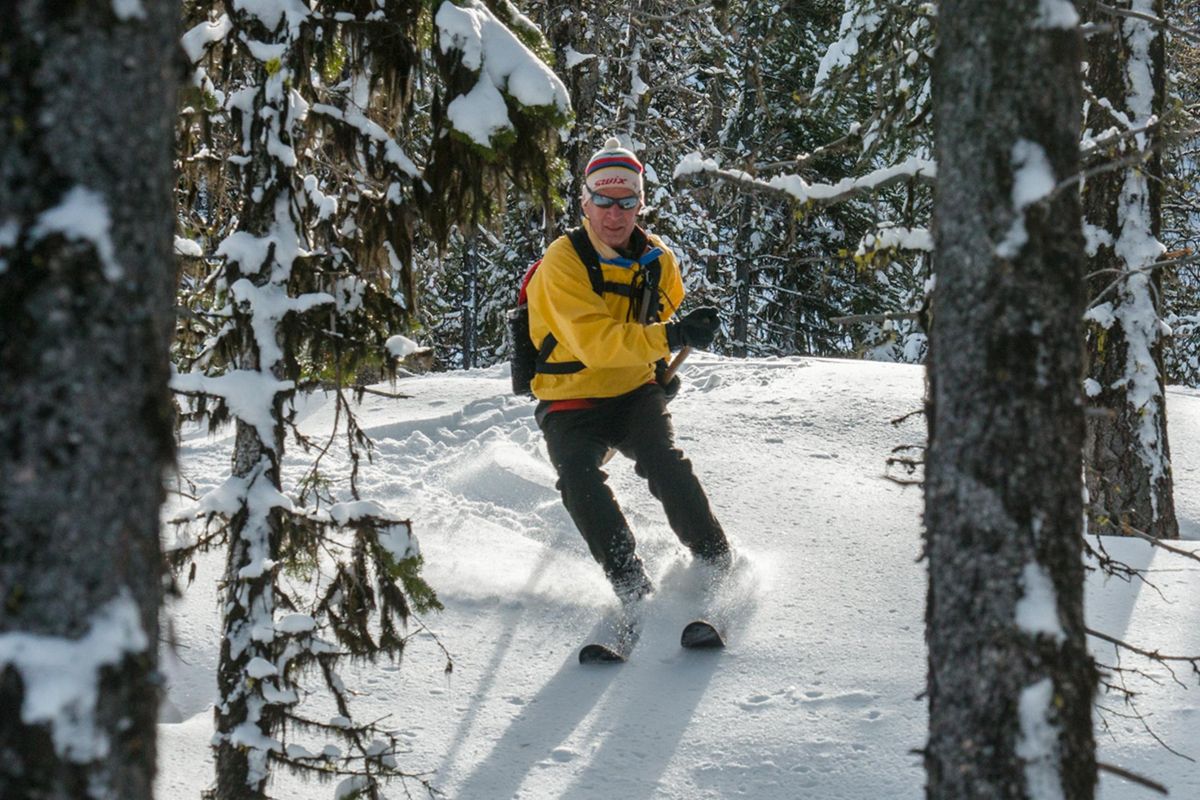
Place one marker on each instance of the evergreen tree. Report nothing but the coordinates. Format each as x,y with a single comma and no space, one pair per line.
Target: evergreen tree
85,417
1010,681
1180,277
351,142
670,82
837,235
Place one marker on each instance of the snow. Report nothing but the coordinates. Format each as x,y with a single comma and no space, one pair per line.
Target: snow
398,542
1038,742
802,190
817,695
1095,237
354,117
344,513
248,393
505,65
1101,314
1033,179
128,9
1056,14
188,247
270,12
82,216
325,204
350,787
856,21
400,346
480,113
795,185
694,163
260,668
268,305
296,623
10,232
897,237
61,676
1037,610
266,51
198,39
575,58
1137,248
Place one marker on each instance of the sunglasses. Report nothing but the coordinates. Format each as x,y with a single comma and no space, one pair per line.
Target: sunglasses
604,201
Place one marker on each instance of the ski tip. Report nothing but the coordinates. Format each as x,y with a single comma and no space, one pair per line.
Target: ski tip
599,654
701,635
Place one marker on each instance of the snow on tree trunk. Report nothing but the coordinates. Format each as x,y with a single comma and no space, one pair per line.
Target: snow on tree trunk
1127,458
86,282
1010,681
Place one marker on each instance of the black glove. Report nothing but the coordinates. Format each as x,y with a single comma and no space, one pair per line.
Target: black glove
695,329
670,388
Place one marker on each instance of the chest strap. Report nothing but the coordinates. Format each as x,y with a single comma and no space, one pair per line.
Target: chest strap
591,259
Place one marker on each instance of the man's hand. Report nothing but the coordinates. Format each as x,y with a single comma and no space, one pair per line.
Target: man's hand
694,329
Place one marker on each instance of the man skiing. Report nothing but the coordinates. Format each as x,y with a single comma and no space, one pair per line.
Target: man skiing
598,383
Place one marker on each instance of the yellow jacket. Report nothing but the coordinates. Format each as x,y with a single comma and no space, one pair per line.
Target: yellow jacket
618,353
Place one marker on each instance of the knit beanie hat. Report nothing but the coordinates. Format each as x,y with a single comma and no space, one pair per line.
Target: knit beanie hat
614,167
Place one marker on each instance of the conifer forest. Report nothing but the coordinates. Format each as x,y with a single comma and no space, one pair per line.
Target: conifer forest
211,210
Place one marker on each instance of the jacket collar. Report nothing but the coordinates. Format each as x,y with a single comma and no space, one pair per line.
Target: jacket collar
638,242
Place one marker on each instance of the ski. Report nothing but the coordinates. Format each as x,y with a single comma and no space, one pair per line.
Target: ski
596,653
701,635
614,647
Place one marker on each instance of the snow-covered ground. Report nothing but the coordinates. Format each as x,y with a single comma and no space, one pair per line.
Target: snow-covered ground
817,695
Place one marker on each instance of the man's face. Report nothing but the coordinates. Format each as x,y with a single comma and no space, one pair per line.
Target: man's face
612,225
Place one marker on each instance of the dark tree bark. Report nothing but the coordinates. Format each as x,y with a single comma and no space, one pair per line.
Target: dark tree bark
564,27
741,306
1126,453
470,299
1010,689
87,99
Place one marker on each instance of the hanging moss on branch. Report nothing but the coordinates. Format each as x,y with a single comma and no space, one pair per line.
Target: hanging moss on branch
321,143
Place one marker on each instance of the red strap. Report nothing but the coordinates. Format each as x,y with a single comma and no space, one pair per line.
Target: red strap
574,404
521,298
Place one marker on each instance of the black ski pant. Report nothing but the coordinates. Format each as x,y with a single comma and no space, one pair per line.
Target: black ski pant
639,426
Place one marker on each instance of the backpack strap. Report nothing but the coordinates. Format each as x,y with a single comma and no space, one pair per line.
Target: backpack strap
649,303
591,259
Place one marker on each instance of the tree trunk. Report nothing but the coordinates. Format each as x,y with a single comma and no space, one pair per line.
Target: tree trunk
1010,680
86,288
242,772
564,27
1126,454
471,322
741,306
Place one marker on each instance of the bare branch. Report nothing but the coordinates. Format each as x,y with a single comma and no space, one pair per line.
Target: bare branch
1132,776
891,315
1154,655
1153,20
377,392
1159,543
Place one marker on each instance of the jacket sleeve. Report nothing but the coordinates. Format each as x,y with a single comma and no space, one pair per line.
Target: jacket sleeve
561,294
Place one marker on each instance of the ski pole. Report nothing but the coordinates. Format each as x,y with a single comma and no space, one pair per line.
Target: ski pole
672,368
675,364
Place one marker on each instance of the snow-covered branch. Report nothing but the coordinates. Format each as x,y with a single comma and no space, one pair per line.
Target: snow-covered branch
914,169
1129,13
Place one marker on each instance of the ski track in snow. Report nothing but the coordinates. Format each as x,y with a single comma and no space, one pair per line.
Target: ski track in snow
816,695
